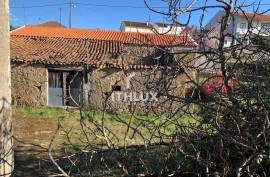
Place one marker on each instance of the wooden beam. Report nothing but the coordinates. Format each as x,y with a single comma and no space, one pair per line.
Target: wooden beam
65,68
65,88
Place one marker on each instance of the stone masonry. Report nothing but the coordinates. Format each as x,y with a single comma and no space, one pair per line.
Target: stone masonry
29,84
30,81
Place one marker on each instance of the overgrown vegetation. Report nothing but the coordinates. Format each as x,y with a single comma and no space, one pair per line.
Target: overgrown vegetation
261,41
46,112
70,139
225,135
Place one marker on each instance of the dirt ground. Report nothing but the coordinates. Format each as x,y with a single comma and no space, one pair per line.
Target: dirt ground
32,136
34,132
29,134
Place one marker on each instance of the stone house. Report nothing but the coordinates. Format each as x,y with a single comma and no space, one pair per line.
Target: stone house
56,66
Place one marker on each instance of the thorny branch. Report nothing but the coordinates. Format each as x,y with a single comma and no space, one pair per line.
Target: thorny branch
219,126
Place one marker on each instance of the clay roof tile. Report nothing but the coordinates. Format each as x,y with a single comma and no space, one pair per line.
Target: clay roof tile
77,46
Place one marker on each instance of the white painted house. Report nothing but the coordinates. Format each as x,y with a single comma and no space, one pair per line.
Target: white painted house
136,27
240,28
163,28
141,27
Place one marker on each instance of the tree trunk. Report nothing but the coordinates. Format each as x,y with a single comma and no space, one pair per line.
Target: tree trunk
6,143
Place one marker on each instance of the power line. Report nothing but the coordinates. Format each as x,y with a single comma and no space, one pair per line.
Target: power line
103,5
70,13
60,16
38,6
116,6
82,4
24,13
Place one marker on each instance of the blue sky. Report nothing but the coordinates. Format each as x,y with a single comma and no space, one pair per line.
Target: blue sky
102,14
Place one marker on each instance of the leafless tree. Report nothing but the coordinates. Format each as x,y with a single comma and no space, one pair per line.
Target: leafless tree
219,127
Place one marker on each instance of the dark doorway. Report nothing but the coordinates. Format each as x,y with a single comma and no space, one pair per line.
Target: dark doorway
65,88
74,89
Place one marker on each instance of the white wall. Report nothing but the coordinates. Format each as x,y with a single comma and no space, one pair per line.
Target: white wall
228,42
136,29
233,28
255,28
161,30
169,29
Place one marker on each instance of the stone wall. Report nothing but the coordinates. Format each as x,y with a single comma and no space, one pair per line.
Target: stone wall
103,97
173,82
29,84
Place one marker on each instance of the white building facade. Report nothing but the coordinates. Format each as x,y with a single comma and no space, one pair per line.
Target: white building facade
160,28
239,29
136,27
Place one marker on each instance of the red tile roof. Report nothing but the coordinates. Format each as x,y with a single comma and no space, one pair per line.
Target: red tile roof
50,24
62,51
97,48
257,17
124,37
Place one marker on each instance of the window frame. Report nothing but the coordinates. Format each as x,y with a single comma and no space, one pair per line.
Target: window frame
263,29
243,26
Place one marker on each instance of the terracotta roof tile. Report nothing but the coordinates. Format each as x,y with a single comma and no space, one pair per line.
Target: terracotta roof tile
76,47
61,51
257,17
124,37
51,24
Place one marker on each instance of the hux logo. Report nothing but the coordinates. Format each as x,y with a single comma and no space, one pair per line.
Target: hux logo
134,96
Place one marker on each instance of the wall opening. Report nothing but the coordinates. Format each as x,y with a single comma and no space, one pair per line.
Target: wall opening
116,88
65,88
